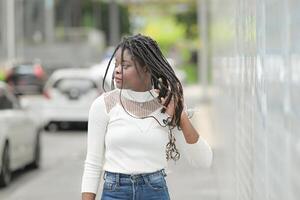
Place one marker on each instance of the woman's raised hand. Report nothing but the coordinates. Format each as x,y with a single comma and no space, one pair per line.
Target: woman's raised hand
170,109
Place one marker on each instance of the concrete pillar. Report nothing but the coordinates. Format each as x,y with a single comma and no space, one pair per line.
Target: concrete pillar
11,39
203,51
19,28
2,30
114,24
49,21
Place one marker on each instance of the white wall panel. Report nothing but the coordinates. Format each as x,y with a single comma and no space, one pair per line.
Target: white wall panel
255,52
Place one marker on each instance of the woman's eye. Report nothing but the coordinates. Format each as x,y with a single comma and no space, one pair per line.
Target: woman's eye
125,66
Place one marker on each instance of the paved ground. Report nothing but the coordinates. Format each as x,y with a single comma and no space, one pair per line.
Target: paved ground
195,184
63,153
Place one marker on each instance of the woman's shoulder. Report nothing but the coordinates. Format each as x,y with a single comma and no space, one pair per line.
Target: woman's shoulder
108,99
104,101
105,97
110,93
110,96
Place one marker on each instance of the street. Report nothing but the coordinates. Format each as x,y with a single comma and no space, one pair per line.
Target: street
60,173
63,155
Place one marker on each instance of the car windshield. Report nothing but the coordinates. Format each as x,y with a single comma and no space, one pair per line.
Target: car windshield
77,83
24,69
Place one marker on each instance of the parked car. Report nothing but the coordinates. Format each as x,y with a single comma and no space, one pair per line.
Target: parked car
98,71
69,94
20,134
26,78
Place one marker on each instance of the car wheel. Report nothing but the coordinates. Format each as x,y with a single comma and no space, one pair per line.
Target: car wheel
52,127
37,154
5,174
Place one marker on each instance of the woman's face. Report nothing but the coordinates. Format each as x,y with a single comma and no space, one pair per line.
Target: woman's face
133,76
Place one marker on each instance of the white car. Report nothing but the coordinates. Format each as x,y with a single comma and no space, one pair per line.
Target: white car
69,94
20,133
98,71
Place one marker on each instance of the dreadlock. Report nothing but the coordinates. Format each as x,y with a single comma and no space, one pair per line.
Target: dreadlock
146,52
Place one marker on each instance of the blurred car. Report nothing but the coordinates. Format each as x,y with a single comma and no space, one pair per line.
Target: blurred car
26,78
98,71
19,136
69,94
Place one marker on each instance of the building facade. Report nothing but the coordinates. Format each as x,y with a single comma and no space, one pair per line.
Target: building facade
255,56
3,30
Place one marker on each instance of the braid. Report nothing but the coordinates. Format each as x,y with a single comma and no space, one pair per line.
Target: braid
145,50
162,74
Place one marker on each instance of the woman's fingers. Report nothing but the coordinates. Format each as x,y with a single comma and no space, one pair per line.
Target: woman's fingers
157,91
171,106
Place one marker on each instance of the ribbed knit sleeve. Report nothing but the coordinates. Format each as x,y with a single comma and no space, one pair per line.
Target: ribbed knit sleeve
198,154
97,124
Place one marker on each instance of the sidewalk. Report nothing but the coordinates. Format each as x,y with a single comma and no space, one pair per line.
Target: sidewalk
202,118
195,184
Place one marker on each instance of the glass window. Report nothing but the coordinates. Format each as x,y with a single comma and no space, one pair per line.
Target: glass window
24,69
5,103
83,85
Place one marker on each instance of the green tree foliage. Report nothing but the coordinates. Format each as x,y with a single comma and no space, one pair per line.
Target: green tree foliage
102,22
90,13
189,20
165,31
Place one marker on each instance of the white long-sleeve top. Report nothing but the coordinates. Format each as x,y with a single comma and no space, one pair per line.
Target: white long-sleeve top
120,141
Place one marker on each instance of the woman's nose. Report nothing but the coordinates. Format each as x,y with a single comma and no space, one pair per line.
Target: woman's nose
118,69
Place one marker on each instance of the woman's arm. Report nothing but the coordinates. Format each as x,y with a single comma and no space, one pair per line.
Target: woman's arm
190,134
88,196
195,149
97,124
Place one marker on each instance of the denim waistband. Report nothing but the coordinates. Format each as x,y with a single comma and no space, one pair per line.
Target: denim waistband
129,178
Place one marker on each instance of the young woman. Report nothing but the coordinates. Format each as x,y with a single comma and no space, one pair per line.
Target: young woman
134,129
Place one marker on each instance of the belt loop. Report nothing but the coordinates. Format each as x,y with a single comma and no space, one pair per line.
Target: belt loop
146,178
104,175
163,172
118,179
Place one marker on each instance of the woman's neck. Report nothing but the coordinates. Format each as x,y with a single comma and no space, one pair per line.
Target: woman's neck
143,89
138,89
139,96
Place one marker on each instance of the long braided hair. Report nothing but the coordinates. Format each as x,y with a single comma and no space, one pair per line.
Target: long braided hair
146,52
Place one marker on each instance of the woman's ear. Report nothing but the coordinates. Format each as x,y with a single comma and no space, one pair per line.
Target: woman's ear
146,69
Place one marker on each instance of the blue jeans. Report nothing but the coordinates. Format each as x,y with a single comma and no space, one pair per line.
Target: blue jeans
147,186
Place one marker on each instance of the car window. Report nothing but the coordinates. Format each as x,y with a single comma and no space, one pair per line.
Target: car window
24,69
5,103
83,85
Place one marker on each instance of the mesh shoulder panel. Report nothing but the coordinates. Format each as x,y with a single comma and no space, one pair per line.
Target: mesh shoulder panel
139,109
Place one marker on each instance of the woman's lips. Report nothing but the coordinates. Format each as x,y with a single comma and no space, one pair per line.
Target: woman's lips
118,79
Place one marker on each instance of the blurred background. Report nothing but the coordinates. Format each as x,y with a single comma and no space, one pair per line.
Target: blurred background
237,59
